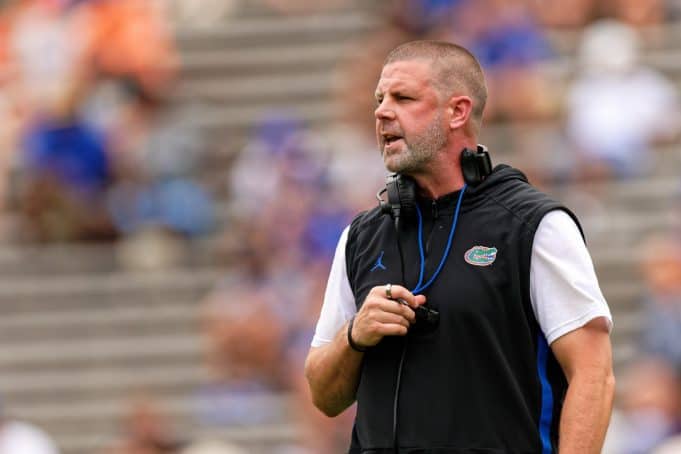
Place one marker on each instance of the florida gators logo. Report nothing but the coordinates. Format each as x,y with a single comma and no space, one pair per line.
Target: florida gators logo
480,255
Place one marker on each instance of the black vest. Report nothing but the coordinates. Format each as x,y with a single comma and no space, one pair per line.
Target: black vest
484,381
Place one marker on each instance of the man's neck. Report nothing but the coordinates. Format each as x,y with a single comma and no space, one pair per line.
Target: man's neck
444,176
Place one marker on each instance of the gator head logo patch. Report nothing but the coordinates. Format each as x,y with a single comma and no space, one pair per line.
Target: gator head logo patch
480,255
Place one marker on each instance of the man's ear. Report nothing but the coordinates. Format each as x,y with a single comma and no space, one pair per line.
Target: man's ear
459,109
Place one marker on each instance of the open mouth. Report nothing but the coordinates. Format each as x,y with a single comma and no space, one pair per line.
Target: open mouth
389,139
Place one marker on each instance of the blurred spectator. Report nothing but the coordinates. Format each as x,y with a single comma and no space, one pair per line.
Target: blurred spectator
637,13
65,170
6,12
131,39
609,138
54,57
297,7
286,217
356,76
579,13
353,173
669,446
420,18
319,433
354,176
23,438
201,12
570,13
661,268
649,408
213,447
244,340
157,151
10,133
46,42
510,45
291,198
510,37
69,152
145,431
253,184
503,35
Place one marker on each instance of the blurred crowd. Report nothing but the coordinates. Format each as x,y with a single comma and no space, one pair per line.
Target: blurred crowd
93,147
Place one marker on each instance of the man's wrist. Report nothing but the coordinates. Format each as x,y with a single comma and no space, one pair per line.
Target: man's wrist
351,342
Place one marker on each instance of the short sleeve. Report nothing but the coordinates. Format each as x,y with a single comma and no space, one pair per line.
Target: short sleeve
339,302
563,285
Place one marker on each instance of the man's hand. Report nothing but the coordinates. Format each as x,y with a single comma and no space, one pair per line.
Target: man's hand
384,313
333,370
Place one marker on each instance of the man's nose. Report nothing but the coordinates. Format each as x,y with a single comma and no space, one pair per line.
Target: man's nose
384,112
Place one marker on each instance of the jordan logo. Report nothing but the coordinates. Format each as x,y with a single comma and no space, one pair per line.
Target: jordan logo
379,263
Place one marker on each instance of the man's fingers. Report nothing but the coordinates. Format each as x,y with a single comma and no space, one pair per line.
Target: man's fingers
381,316
392,329
395,307
398,292
392,318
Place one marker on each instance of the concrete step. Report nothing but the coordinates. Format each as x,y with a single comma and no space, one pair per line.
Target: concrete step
262,439
236,122
258,90
179,407
118,350
58,323
274,32
613,264
295,58
655,37
27,294
640,191
563,68
622,295
107,381
56,259
100,418
625,229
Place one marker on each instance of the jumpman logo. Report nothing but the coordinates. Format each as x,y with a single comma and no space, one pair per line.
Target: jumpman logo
379,263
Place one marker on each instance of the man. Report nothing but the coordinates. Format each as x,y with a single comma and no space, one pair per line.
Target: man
520,359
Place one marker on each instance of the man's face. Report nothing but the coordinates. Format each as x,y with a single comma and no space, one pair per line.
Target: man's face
409,117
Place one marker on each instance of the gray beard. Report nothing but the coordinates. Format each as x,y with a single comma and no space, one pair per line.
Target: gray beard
420,150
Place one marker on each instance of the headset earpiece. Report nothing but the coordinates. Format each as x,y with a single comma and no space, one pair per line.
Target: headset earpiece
475,165
401,190
401,197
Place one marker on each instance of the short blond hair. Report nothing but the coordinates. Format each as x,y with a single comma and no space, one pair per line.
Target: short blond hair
454,69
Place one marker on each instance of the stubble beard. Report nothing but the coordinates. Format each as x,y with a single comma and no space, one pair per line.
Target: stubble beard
419,150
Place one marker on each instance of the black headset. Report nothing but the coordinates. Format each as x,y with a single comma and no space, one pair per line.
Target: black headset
401,198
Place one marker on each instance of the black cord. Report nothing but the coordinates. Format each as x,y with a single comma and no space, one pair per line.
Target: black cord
396,398
397,395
